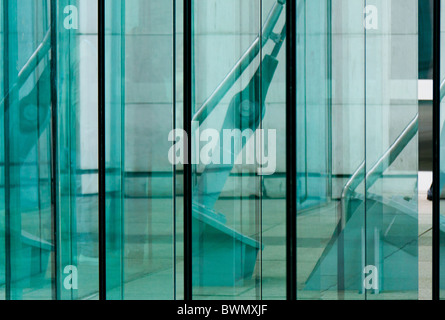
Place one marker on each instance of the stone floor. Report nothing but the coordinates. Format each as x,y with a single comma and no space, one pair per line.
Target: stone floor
270,276
425,245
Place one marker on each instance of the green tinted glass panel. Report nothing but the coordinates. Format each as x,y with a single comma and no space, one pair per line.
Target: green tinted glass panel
49,194
313,109
273,194
238,218
357,149
115,158
27,138
357,115
320,242
76,151
391,230
140,179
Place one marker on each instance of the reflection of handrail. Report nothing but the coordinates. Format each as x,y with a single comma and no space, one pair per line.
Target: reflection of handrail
381,165
242,64
29,67
442,90
393,152
388,158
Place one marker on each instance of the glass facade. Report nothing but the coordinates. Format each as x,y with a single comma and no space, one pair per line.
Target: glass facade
48,197
238,205
140,181
355,67
357,150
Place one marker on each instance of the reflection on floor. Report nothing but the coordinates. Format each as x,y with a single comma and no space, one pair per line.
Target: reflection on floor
425,246
150,270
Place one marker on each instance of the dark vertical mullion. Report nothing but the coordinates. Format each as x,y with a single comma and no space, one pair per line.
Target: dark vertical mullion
7,153
436,157
291,152
188,174
54,161
102,155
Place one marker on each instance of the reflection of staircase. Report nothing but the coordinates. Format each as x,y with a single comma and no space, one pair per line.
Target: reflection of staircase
35,256
32,117
221,255
390,245
372,231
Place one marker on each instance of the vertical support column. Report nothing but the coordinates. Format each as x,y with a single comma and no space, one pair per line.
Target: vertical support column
188,105
102,162
54,142
291,152
436,154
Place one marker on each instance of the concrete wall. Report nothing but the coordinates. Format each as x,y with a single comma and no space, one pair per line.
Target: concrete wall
223,31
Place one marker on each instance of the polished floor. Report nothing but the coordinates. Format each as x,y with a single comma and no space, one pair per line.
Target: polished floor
425,240
150,268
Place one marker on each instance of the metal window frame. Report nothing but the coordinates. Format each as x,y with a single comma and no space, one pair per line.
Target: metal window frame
188,169
54,143
291,152
102,152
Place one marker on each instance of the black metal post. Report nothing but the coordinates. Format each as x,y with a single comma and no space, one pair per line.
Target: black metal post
291,152
188,106
102,161
54,142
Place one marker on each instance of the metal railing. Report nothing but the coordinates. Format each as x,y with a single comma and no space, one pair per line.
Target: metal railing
377,170
39,54
242,64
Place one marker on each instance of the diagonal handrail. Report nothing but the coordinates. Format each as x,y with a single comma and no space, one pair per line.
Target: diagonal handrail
242,64
442,90
29,67
376,172
387,158
371,177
